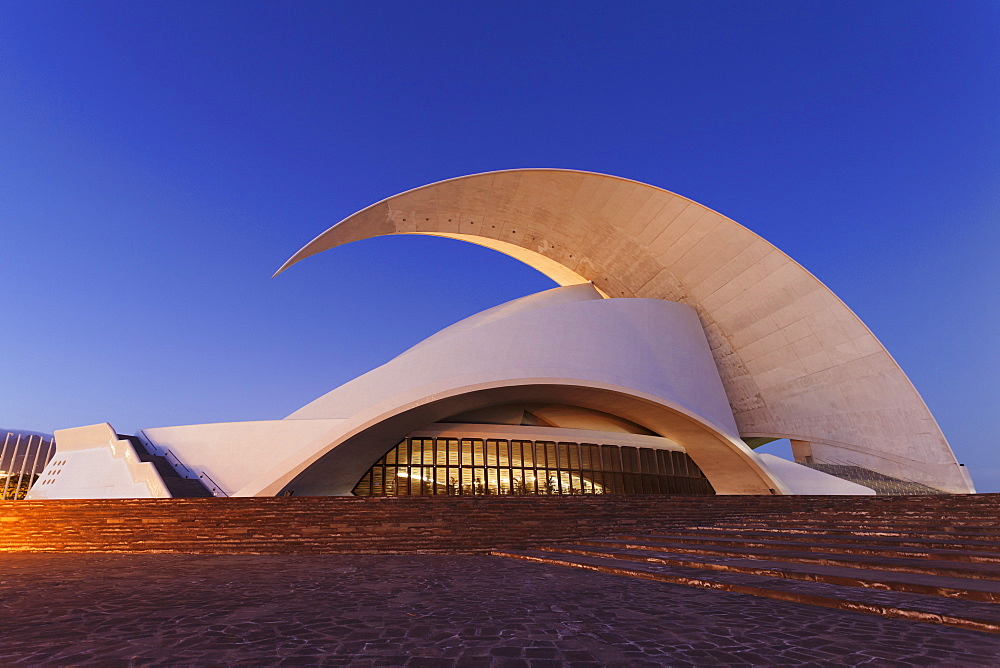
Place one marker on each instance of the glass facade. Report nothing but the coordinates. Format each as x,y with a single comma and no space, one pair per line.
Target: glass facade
476,466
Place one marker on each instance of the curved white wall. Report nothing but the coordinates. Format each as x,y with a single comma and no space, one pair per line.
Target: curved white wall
646,360
650,345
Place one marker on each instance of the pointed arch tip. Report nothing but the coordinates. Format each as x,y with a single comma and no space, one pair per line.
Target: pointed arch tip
288,263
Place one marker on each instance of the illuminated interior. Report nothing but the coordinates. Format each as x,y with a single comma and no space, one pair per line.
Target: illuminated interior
474,466
550,415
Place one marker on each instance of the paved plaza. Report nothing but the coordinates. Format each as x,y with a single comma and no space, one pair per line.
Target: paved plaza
77,609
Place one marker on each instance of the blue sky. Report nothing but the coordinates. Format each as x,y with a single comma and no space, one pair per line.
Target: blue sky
159,160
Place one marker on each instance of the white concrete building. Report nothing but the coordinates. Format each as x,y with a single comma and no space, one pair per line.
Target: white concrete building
678,340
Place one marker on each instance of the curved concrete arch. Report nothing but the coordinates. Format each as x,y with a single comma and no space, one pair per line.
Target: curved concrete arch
333,463
793,358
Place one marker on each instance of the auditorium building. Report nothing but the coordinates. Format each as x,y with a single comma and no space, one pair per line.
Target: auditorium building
677,342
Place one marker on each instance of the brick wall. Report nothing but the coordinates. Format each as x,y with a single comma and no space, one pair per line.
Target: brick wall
430,524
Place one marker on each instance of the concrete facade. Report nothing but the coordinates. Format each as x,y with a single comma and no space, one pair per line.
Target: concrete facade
795,361
670,318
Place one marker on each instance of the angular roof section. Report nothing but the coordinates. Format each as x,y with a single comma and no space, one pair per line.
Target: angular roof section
795,361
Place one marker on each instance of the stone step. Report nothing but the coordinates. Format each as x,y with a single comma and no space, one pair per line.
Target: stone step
867,548
954,524
862,528
829,516
972,571
987,591
976,616
846,537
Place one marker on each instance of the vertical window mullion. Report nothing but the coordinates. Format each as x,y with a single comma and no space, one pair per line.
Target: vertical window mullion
460,469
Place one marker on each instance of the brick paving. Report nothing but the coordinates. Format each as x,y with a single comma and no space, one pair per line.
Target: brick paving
423,610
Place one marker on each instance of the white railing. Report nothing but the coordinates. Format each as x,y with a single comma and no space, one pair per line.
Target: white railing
182,470
185,472
211,485
179,466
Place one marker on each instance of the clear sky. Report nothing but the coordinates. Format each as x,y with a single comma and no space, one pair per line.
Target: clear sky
159,160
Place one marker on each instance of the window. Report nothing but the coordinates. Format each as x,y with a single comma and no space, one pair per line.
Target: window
472,466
